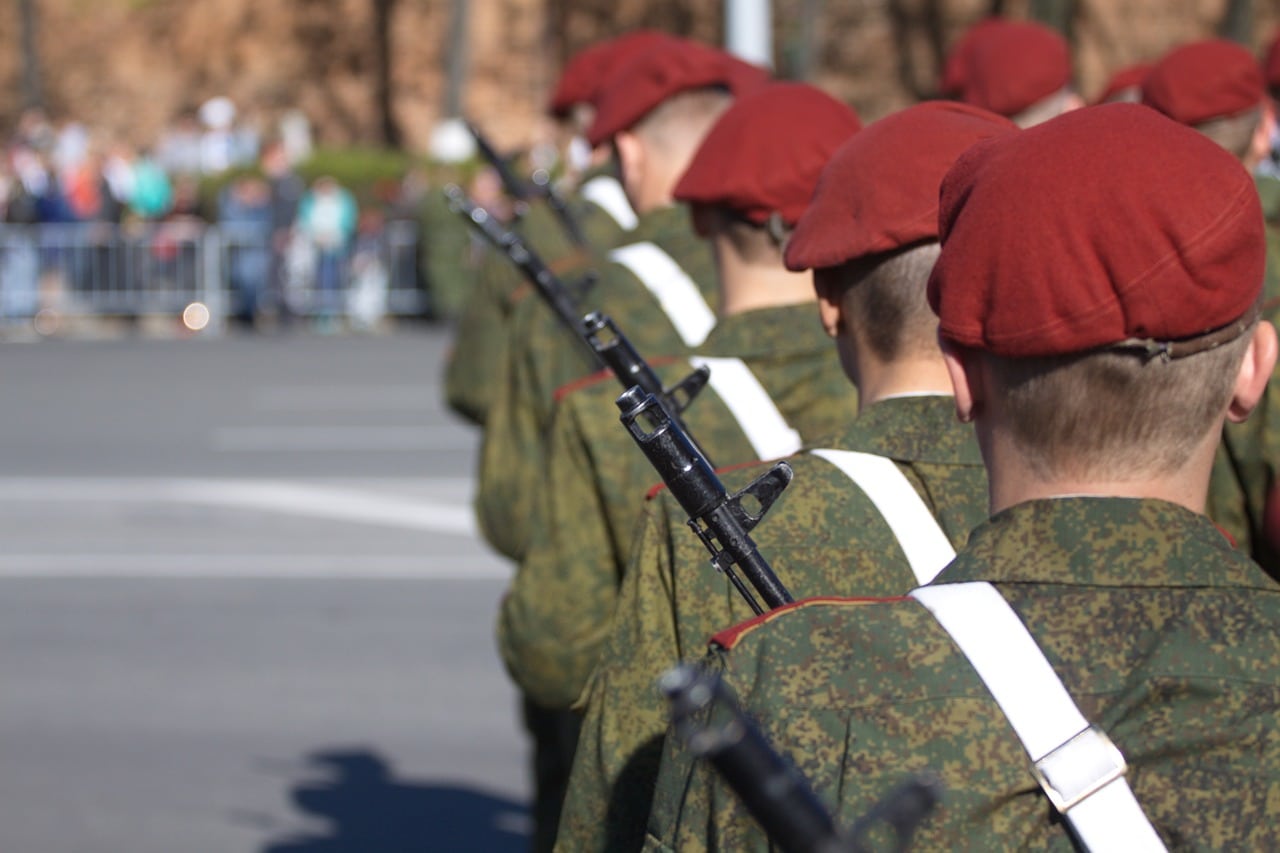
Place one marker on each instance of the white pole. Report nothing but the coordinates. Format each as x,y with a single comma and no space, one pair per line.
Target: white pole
748,30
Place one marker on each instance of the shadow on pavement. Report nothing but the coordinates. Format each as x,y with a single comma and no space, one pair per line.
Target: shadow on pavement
368,810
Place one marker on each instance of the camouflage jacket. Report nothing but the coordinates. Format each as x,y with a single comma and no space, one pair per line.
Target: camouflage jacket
542,356
557,614
823,537
1165,637
480,341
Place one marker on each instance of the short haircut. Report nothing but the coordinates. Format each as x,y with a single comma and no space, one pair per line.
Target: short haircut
1111,413
886,302
681,121
1234,133
755,244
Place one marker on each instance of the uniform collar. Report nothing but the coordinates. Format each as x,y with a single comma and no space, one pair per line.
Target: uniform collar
1103,541
769,333
912,429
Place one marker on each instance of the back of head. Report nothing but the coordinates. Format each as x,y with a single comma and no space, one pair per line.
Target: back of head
1019,69
1215,86
873,220
1111,302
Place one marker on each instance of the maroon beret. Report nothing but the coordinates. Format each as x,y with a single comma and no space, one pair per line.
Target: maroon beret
582,75
1271,64
634,88
1014,65
765,153
1204,80
1129,77
955,71
879,192
1072,235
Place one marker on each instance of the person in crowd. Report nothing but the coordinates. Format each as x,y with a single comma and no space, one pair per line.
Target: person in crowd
327,224
1017,69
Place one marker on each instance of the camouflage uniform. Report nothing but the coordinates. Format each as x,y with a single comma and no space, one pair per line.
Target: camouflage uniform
480,341
1165,637
557,613
824,536
543,356
1244,469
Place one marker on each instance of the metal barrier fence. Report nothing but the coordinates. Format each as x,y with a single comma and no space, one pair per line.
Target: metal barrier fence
205,274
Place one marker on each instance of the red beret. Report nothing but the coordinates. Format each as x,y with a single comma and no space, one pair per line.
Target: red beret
879,192
634,88
1072,236
955,71
1271,64
580,80
1204,80
1014,65
1129,77
765,153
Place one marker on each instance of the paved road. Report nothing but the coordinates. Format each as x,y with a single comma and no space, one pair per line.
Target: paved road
242,606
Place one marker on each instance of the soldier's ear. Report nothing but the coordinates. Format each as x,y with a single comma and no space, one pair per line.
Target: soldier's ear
966,379
1254,373
830,289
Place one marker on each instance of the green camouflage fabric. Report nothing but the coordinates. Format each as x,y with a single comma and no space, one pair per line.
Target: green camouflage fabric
1165,636
557,613
480,341
543,356
824,536
1245,466
445,256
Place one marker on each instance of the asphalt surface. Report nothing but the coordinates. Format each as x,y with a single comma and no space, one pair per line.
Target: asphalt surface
242,603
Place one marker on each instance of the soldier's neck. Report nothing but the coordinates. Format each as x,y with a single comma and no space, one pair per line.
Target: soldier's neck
1013,480
746,286
877,380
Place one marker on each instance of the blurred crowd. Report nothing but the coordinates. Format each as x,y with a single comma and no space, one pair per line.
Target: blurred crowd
113,217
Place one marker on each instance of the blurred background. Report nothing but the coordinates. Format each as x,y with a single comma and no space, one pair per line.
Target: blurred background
243,604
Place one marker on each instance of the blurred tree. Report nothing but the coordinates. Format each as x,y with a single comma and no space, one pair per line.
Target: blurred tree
388,127
32,91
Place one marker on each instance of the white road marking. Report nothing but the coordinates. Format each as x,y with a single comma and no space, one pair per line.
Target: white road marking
313,439
287,497
328,398
251,566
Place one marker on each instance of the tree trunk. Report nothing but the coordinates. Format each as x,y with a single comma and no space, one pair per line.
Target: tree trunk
388,127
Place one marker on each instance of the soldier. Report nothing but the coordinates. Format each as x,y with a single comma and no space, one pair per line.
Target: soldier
1217,87
1017,69
870,235
774,383
599,206
654,111
1099,323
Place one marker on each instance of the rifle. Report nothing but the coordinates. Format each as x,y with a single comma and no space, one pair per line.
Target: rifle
540,186
774,792
719,519
550,288
630,368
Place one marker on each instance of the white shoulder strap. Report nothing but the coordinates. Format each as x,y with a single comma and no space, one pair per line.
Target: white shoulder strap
606,193
671,286
751,406
925,545
1076,764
